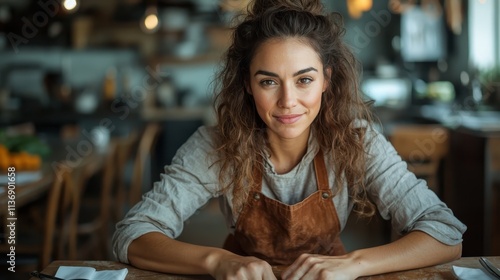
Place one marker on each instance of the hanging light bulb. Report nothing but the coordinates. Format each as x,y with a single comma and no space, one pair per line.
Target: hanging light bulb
70,5
353,9
150,23
365,5
357,7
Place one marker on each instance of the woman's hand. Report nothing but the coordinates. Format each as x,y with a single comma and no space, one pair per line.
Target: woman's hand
309,266
238,267
414,250
155,251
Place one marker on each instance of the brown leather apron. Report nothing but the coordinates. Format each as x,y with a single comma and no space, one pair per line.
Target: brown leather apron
280,233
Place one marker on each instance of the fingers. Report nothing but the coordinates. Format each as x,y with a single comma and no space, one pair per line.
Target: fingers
300,267
258,269
309,266
245,268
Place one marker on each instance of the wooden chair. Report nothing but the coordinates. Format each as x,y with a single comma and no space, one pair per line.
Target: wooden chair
92,229
125,147
73,176
60,220
56,221
423,147
147,142
138,150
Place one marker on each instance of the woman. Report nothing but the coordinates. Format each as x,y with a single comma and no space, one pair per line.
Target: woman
292,155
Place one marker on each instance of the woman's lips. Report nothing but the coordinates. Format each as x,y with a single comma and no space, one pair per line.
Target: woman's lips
288,119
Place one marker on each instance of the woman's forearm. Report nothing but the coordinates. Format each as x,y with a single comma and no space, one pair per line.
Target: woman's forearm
157,252
414,250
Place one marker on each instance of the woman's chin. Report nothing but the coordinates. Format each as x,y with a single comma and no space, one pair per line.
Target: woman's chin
290,133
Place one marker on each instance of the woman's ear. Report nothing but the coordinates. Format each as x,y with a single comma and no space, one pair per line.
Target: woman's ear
328,77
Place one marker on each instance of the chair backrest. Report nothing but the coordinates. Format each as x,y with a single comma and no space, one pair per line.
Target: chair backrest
125,147
146,143
136,147
94,224
59,237
422,147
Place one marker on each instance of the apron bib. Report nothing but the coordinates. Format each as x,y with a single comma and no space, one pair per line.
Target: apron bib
279,233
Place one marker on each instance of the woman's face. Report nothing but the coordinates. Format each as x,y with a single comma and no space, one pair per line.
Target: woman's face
287,81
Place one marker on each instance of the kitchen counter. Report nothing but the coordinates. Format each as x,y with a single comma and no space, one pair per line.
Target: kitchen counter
479,121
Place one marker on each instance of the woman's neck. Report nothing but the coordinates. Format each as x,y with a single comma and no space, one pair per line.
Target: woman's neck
287,153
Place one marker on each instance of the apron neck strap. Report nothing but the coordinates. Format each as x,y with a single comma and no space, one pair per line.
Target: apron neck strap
257,176
321,173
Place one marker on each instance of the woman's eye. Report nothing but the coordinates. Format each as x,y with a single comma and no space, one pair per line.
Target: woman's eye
267,83
305,80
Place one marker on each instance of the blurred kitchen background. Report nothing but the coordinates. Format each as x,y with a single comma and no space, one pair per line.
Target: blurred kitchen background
69,66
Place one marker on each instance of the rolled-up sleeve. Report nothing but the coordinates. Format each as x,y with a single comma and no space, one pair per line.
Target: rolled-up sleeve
187,184
400,196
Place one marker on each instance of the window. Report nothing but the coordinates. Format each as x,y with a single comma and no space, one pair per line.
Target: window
484,33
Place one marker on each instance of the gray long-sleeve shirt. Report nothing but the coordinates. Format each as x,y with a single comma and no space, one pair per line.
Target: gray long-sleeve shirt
192,180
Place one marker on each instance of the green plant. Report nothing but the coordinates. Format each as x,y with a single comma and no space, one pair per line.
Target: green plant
490,85
490,76
24,143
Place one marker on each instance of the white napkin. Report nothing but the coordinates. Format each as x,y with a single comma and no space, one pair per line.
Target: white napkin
21,177
467,273
90,273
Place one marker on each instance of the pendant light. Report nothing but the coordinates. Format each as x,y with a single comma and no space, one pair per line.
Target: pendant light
356,8
150,22
70,5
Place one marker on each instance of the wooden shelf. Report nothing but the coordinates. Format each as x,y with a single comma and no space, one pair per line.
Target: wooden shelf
178,113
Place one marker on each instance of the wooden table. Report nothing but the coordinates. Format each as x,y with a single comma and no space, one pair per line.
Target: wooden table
31,191
443,271
27,192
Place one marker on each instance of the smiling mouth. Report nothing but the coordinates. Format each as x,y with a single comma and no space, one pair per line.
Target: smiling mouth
288,119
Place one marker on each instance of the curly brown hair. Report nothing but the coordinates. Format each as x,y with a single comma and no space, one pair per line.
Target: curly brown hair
241,134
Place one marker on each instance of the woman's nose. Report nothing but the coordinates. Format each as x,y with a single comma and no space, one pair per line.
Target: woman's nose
288,97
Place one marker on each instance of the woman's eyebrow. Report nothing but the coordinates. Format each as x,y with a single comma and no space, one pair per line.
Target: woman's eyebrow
267,73
304,71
